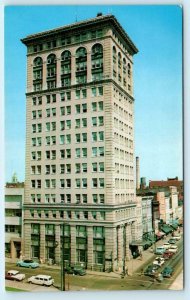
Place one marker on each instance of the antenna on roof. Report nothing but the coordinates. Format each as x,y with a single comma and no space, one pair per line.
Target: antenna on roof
76,17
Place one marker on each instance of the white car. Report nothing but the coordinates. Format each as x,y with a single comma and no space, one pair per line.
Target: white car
173,249
177,237
159,261
167,245
14,275
41,280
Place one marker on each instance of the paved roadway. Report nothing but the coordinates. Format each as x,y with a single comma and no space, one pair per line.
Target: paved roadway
101,282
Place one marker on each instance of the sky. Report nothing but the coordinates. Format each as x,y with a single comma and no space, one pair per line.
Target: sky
157,33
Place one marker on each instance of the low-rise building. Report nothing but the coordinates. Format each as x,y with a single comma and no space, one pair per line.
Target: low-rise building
14,195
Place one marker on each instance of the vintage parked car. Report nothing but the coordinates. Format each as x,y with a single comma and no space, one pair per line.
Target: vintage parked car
151,270
167,272
14,275
167,255
159,261
160,250
172,241
27,263
173,249
176,237
79,271
166,245
41,280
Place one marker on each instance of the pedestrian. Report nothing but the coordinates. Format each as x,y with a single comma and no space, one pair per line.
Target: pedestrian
127,271
141,257
142,272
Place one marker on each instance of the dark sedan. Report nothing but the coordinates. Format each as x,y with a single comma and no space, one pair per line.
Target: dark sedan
167,272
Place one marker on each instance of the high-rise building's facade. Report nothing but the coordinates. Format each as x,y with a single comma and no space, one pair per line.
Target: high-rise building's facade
80,144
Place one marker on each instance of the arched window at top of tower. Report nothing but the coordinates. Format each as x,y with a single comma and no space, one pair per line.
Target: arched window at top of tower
81,52
97,49
66,55
51,59
124,61
114,50
38,61
119,60
129,69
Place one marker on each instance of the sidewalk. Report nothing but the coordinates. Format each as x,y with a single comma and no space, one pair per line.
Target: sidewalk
133,265
177,285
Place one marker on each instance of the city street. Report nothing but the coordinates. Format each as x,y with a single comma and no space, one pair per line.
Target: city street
103,281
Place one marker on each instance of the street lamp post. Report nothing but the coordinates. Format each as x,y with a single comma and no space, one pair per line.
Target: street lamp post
62,259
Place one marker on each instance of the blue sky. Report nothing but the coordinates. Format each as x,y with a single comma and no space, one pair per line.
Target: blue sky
157,33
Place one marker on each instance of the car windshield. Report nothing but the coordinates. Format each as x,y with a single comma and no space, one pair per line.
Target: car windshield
28,261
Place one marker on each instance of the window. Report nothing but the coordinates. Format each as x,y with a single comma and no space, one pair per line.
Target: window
68,110
68,124
94,92
94,151
84,167
33,128
53,124
77,168
48,112
84,198
68,183
100,91
47,167
48,99
84,137
100,121
84,94
84,182
101,182
68,153
77,197
94,167
94,121
94,182
94,106
77,152
77,137
53,112
95,198
77,123
77,183
62,183
62,139
101,136
68,196
101,167
68,168
101,151
84,107
77,107
100,106
62,169
84,122
62,110
94,136
33,114
68,138
84,152
47,183
101,198
77,94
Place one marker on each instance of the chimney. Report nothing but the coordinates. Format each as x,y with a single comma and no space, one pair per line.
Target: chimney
137,173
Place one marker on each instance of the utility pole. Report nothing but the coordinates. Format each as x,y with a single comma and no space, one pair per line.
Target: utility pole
124,248
62,259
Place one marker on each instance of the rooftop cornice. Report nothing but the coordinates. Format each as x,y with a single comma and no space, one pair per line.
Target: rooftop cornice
80,25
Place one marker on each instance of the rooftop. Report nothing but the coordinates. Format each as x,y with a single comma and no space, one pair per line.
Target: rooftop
99,20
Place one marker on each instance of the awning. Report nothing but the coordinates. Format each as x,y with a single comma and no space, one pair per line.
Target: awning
175,226
166,229
138,243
